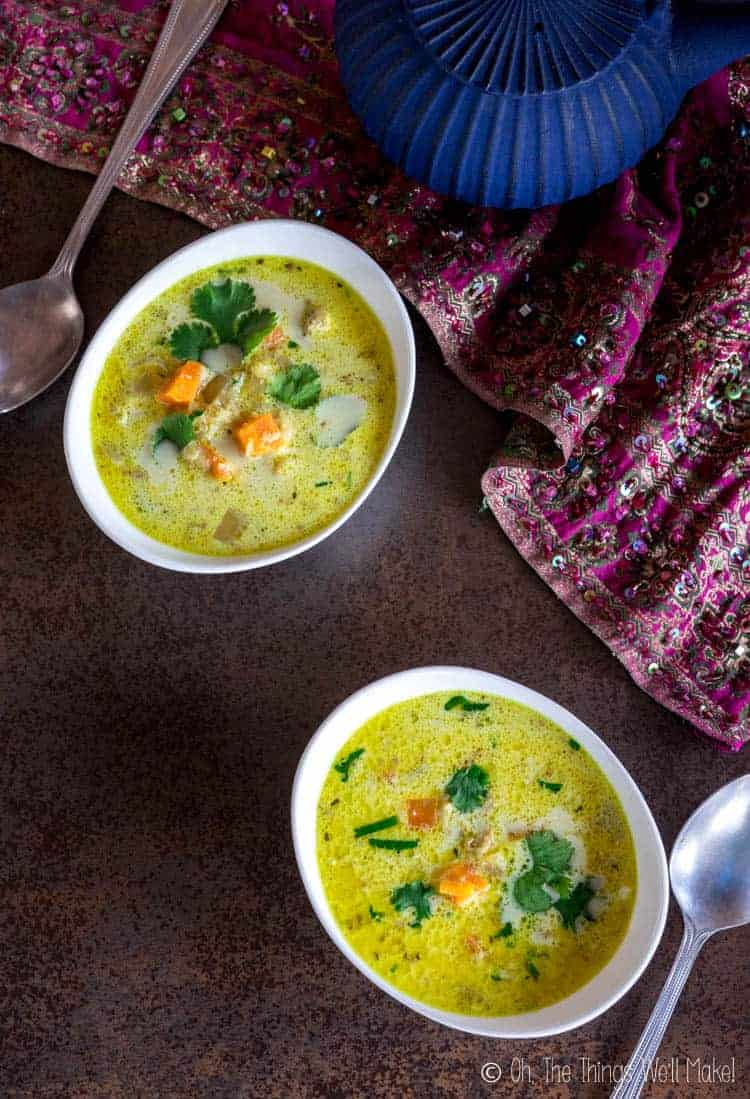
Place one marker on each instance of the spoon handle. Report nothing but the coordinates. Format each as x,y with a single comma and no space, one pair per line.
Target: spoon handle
634,1076
187,27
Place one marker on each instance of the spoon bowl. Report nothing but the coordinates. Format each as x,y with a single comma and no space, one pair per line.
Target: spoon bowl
710,875
42,329
709,864
41,322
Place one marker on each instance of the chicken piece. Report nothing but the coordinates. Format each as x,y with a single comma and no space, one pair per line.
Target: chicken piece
316,319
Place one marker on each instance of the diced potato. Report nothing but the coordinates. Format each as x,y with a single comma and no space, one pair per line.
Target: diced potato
315,319
422,812
258,435
231,526
460,882
182,387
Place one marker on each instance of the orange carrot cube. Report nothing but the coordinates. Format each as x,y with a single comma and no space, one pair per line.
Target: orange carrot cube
182,387
422,812
460,882
258,435
218,466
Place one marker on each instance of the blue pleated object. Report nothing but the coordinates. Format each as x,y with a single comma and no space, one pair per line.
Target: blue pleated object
522,103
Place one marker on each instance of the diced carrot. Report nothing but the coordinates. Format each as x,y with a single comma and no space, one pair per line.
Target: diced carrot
274,338
258,435
182,387
218,466
422,812
460,882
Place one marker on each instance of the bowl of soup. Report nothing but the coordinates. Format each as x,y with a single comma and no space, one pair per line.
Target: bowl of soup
242,400
479,853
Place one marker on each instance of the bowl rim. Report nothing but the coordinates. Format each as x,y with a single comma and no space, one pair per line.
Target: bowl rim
120,530
341,723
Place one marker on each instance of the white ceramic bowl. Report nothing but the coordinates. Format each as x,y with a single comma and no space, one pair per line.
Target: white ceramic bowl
652,898
295,239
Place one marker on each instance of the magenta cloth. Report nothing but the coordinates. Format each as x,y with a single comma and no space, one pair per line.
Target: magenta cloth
617,327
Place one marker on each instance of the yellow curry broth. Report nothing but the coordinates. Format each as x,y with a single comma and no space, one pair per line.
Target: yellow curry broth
457,960
283,500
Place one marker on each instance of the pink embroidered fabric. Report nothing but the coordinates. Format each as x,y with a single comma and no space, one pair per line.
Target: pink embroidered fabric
616,327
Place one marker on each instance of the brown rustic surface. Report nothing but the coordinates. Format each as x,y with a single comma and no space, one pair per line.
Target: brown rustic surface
155,939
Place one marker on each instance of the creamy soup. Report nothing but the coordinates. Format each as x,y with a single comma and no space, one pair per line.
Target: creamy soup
246,408
474,854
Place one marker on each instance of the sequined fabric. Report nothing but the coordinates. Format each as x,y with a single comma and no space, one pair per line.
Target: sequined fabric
616,327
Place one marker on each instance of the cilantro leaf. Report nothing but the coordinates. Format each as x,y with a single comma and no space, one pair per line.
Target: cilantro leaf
531,969
554,787
468,788
550,851
550,857
343,765
189,341
573,906
529,892
299,386
574,744
178,428
415,895
221,304
376,916
467,706
253,327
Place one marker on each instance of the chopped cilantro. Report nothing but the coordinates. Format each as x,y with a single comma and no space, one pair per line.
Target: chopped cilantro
299,386
504,933
550,857
292,345
221,304
529,891
550,851
496,976
574,744
178,428
572,906
376,826
468,788
376,916
189,341
415,895
394,845
532,969
253,328
555,787
322,484
226,314
467,706
343,765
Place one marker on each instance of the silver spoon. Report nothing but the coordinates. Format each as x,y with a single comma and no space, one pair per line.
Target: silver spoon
41,322
710,874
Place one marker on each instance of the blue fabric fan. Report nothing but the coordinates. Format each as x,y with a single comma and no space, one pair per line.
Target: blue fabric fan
521,103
